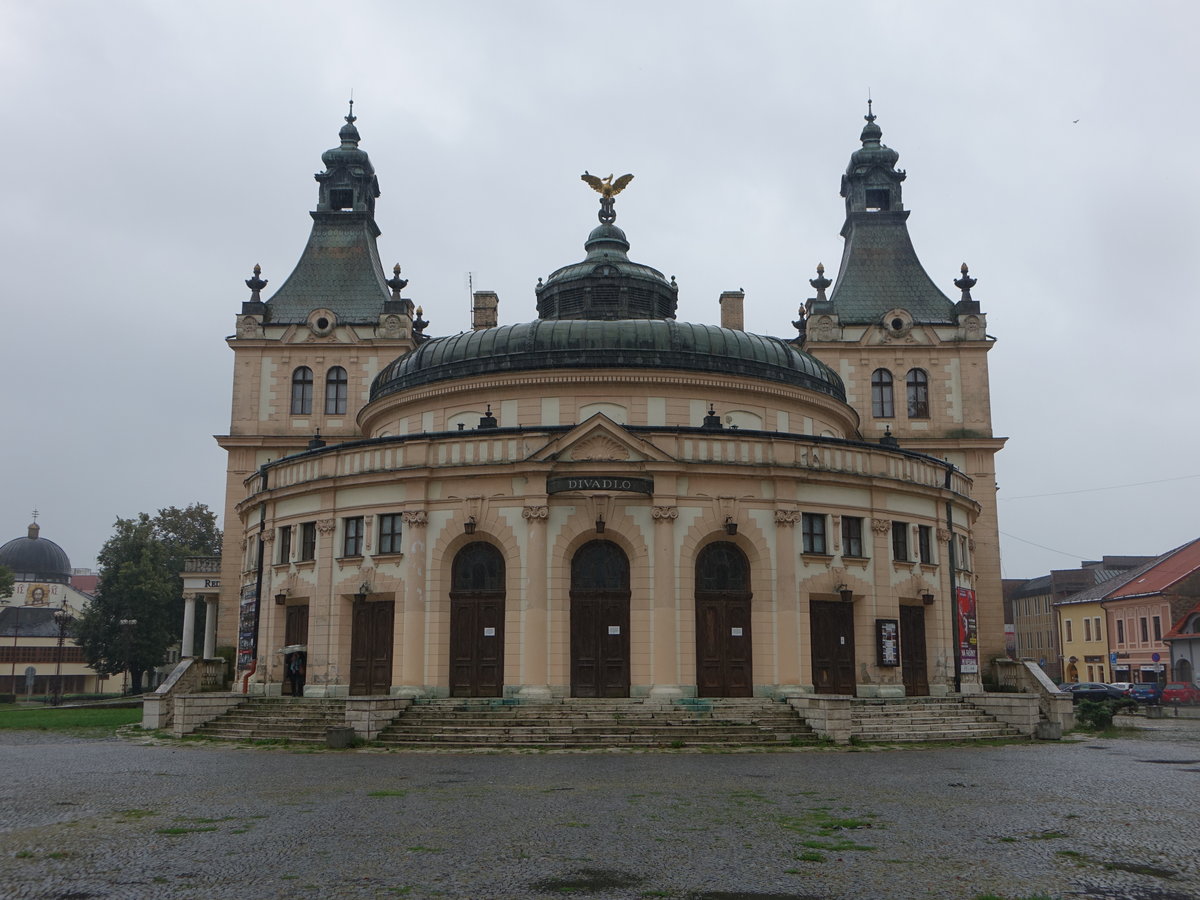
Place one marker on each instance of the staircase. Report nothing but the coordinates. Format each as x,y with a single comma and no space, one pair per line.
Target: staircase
277,719
591,723
923,719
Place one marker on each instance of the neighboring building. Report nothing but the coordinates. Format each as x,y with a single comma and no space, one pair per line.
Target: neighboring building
1184,641
1035,617
32,658
605,501
1141,610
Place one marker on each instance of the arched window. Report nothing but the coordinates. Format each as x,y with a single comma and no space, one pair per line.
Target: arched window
881,395
478,567
302,385
600,566
918,394
335,392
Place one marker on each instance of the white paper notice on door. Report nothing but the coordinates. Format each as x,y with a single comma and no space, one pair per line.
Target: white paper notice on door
735,632
614,629
489,632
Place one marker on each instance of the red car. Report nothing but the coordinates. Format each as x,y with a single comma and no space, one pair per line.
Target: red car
1180,692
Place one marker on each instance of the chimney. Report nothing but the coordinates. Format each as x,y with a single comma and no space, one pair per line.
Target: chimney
731,310
484,308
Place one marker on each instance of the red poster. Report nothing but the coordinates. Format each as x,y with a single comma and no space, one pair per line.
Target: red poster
968,631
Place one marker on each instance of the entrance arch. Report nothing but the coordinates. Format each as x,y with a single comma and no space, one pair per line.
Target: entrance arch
477,622
600,621
724,667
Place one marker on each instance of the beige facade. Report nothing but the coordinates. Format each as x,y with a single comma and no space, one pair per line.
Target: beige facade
603,502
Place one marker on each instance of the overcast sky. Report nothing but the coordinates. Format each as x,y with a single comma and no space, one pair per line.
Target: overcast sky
156,151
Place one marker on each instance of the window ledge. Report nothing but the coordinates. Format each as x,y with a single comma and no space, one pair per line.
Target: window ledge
816,557
389,557
859,561
354,557
306,563
929,567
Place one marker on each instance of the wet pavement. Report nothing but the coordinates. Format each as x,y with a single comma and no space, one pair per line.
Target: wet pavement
130,817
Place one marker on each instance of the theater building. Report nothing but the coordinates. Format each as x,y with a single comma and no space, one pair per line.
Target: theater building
606,501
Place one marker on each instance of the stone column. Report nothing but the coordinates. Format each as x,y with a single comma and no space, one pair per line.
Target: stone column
189,626
210,627
665,676
535,648
789,674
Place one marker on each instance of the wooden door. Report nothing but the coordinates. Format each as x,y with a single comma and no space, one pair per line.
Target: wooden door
832,646
724,663
371,648
477,622
912,651
600,621
295,629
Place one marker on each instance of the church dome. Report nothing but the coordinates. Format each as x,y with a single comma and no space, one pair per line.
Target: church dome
34,558
873,153
607,344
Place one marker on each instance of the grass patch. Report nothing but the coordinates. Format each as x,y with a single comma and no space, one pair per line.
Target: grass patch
835,846
422,849
1050,835
70,720
25,854
824,832
590,880
811,856
388,793
130,815
1071,854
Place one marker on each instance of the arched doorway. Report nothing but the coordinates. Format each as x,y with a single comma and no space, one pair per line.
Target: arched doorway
600,621
723,661
477,622
1183,670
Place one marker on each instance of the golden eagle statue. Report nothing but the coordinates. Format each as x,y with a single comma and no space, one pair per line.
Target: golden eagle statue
607,189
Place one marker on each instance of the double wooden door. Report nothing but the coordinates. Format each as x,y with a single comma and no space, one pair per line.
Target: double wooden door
724,662
832,646
371,647
914,667
600,621
477,622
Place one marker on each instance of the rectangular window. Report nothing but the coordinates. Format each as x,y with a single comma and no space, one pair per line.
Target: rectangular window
1120,631
1157,628
900,541
1145,632
1096,628
852,544
308,540
352,536
1067,628
965,564
813,525
285,544
925,544
1087,628
389,534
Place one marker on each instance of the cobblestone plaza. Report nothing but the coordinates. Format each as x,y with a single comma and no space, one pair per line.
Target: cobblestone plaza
133,818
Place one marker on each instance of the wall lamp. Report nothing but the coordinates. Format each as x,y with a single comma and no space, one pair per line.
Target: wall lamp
363,590
600,525
281,598
730,525
469,525
927,599
846,593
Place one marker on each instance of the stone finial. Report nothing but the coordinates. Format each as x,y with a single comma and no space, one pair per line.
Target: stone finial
965,283
419,325
396,283
801,323
820,283
256,284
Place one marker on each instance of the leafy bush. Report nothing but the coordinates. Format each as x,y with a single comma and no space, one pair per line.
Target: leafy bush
1094,715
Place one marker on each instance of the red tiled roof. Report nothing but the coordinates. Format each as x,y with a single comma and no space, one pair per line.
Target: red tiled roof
1177,629
1170,568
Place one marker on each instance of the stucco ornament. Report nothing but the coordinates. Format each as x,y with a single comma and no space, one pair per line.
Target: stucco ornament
664,513
787,516
415,517
943,535
325,526
536,513
881,526
599,447
391,327
249,327
823,329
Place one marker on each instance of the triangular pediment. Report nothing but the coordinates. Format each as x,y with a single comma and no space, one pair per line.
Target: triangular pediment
599,439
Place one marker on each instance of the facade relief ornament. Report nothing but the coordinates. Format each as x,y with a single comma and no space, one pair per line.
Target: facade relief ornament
536,513
391,327
600,447
249,327
664,513
823,329
881,526
268,535
325,526
416,517
971,544
943,535
787,516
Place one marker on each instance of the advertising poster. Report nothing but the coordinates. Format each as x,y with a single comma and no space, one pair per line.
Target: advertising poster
968,631
246,614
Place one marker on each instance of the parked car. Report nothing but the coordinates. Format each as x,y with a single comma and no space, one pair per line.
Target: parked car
1091,690
1180,692
1123,686
1146,692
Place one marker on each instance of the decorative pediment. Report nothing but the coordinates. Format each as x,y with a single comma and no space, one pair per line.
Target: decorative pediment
599,439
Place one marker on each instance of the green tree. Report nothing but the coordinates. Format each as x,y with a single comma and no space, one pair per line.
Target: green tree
140,583
6,581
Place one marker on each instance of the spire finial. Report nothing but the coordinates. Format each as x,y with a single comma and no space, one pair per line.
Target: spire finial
35,514
607,189
397,284
351,118
870,116
256,284
965,283
820,282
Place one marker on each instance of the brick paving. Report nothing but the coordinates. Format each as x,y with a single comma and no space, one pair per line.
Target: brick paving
128,818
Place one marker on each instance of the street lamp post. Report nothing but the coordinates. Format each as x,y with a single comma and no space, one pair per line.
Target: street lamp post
127,626
63,619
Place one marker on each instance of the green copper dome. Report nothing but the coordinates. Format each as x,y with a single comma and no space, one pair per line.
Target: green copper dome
613,344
